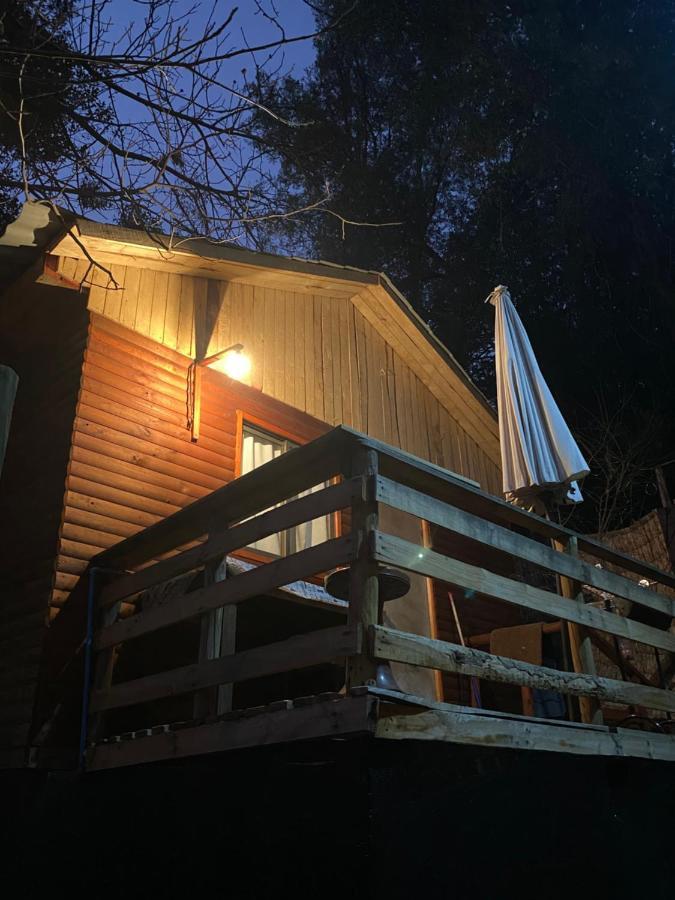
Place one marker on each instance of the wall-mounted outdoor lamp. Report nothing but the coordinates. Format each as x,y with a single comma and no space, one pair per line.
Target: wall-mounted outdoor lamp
232,361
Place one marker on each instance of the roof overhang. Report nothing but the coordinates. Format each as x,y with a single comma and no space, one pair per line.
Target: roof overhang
38,228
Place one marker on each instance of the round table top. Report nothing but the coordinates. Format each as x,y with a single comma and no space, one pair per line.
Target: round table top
393,583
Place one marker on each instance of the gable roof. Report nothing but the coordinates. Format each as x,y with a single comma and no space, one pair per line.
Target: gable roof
38,228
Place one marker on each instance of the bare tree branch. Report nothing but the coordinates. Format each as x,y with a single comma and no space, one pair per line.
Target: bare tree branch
144,122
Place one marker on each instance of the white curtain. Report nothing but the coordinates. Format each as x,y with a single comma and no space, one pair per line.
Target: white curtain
255,452
310,533
258,449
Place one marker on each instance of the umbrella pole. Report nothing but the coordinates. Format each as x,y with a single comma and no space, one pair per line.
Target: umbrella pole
580,646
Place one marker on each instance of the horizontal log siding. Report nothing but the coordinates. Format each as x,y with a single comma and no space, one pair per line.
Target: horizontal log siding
42,336
132,461
318,354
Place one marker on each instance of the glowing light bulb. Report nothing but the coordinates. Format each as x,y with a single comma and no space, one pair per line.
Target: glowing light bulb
235,364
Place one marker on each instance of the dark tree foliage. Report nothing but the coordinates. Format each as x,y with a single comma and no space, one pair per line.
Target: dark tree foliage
39,91
529,144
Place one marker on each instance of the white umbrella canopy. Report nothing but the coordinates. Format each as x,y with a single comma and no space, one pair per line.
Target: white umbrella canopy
540,459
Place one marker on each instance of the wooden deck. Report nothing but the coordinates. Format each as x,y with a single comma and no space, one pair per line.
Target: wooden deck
361,474
375,712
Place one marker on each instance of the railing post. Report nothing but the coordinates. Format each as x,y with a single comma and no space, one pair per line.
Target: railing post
581,648
101,665
217,638
363,582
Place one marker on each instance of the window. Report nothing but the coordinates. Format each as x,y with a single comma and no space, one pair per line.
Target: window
257,448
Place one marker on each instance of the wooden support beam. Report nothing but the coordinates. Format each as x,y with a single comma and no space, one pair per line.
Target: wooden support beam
527,701
104,665
298,652
611,653
254,583
662,487
228,645
363,583
397,552
349,715
432,609
580,646
468,727
210,641
415,650
399,699
9,382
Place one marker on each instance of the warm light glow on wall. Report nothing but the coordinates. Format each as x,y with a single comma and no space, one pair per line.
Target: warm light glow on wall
235,364
230,360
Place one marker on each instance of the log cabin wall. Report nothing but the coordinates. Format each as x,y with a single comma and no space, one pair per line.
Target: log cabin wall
132,460
43,331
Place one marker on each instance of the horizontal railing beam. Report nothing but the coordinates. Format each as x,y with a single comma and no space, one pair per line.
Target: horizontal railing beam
412,471
500,538
298,652
320,460
466,727
616,558
397,552
397,646
288,475
257,581
222,542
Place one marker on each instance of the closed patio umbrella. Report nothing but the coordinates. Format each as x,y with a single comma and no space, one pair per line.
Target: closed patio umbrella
541,462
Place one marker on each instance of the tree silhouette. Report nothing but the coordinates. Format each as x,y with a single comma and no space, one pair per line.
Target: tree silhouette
524,144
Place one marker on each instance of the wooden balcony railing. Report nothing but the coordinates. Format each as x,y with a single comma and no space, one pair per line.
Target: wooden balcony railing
363,474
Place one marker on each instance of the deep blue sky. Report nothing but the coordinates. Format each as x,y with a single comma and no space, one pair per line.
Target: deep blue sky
295,16
124,20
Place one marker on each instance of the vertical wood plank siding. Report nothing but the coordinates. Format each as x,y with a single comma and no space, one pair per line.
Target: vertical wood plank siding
316,353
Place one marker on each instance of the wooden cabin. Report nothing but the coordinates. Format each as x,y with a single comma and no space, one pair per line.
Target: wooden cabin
167,394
